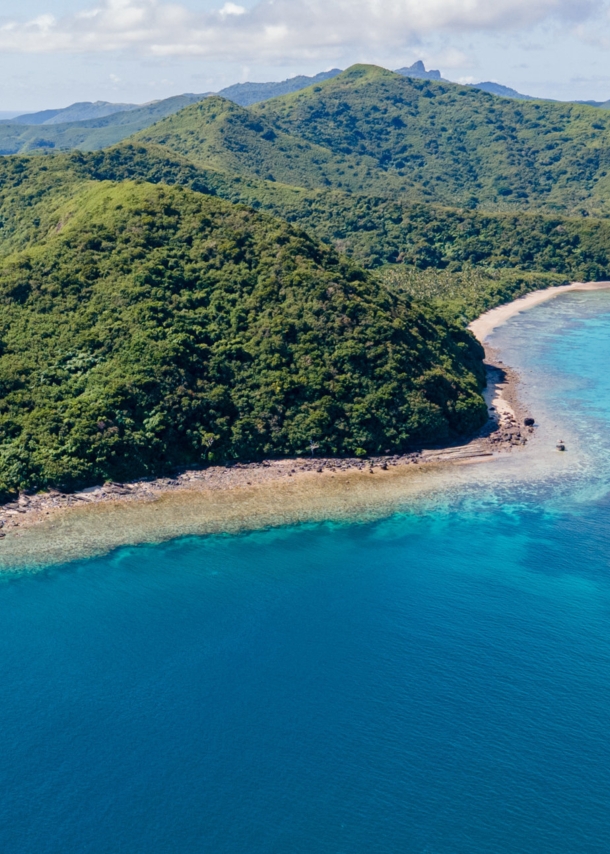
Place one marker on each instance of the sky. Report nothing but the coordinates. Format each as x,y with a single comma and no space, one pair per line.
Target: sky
56,52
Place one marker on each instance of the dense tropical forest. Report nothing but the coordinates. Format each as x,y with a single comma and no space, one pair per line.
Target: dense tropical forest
160,327
237,283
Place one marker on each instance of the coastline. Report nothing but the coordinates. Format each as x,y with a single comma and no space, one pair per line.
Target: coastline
484,325
53,527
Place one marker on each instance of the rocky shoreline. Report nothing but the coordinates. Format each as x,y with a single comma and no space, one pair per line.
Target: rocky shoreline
504,432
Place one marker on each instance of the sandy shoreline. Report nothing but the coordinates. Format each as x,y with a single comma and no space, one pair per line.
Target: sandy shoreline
484,325
53,527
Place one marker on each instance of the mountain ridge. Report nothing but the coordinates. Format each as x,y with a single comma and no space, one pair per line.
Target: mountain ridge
504,91
246,94
89,133
109,123
369,130
79,111
418,70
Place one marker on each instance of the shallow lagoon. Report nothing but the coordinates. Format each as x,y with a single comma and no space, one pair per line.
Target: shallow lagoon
436,682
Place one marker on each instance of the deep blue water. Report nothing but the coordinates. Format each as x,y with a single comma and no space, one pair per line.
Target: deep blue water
434,683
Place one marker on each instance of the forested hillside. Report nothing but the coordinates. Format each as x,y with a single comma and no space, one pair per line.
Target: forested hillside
373,230
455,144
159,327
219,134
372,131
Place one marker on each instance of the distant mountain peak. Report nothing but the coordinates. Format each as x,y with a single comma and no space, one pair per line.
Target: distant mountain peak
502,91
418,69
246,94
81,111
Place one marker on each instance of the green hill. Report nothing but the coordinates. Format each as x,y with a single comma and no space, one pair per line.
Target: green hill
374,231
372,131
157,327
198,293
218,134
455,144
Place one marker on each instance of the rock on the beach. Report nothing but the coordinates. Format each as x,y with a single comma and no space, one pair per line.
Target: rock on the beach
529,422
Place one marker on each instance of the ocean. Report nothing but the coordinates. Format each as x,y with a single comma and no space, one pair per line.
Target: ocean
435,682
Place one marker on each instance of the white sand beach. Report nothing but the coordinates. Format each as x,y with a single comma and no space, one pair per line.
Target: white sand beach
484,325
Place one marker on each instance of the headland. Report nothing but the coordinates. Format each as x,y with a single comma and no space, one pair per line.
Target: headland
52,527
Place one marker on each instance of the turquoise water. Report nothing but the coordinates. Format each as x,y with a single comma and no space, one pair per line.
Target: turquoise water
433,683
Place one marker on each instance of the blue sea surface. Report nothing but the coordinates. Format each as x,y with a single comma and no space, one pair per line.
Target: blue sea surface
435,682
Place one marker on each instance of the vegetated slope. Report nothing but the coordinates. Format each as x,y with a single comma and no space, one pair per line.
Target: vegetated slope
456,145
159,327
375,132
374,231
219,134
369,130
89,134
462,262
467,292
33,191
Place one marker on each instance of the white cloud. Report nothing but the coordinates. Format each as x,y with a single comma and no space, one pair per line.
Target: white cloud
232,9
450,58
274,30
